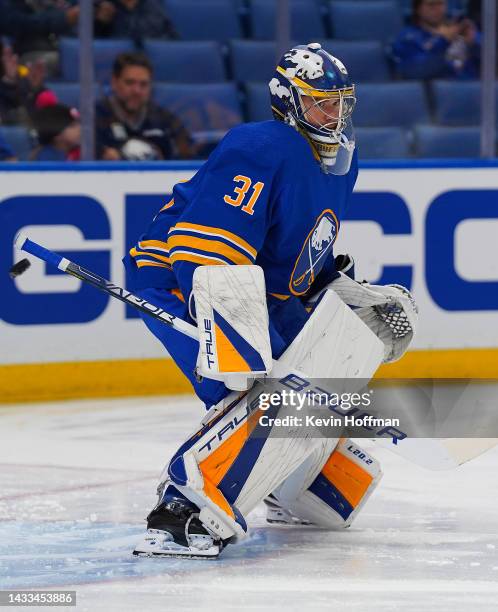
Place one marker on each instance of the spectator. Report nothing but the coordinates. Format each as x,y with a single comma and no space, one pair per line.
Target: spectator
130,125
19,86
58,132
474,8
134,19
34,26
103,13
436,47
6,153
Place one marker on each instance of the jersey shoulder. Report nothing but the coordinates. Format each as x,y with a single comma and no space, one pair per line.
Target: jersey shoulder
271,140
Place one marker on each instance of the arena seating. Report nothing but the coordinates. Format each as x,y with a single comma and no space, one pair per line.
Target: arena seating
401,104
258,102
208,20
217,74
104,53
365,59
19,140
306,20
382,143
252,60
68,93
207,110
441,141
186,61
457,102
364,19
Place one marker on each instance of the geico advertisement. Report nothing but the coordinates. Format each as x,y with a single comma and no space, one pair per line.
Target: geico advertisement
433,230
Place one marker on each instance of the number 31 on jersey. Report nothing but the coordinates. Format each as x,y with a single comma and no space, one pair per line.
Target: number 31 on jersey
243,195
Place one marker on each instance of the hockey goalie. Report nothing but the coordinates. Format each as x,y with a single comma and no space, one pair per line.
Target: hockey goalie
244,250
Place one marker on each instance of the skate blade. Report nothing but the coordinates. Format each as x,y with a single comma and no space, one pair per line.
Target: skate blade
177,555
156,545
287,523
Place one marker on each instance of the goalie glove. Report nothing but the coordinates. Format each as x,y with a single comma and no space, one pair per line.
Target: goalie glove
389,311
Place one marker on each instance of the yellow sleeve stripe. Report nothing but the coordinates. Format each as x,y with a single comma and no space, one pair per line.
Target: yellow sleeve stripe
158,245
280,296
217,232
204,260
178,294
142,263
135,253
211,246
168,205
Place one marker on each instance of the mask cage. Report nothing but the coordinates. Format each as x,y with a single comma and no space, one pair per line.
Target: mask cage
333,124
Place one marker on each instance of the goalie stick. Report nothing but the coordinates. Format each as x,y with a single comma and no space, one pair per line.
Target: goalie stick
23,243
435,454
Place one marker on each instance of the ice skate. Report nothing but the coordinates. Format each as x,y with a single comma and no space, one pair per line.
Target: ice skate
174,530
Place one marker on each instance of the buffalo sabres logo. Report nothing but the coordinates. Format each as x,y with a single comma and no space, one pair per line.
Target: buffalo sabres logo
277,89
308,65
315,249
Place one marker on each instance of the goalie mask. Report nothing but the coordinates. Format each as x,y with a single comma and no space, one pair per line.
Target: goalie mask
312,91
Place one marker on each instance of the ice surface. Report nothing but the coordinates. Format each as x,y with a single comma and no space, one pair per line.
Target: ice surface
78,478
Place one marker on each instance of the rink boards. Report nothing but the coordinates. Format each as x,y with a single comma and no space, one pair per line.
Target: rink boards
430,227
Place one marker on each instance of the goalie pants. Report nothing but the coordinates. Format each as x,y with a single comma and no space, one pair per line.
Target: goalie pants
286,320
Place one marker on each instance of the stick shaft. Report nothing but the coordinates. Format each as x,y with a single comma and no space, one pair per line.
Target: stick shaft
25,244
449,453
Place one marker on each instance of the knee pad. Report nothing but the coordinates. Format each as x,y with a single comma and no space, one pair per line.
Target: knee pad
332,495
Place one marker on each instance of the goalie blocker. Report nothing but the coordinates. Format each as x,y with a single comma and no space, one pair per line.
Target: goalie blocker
231,463
232,320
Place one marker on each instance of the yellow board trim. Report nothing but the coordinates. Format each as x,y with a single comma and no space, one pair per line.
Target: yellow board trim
451,363
45,382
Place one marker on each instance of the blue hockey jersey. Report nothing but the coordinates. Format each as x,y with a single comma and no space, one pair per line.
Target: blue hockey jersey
261,198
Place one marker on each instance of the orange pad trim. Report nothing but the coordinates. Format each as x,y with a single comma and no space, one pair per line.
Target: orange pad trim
351,479
217,497
229,358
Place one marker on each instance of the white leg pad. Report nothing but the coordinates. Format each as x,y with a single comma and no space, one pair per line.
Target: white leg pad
332,495
227,470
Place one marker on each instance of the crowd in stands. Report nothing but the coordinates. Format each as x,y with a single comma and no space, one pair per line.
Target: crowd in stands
174,75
